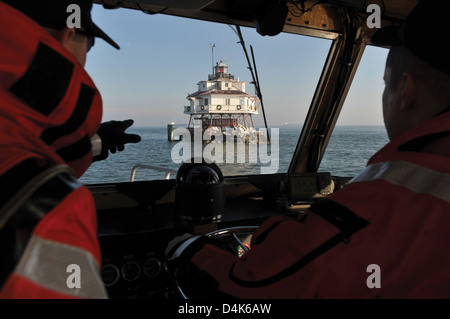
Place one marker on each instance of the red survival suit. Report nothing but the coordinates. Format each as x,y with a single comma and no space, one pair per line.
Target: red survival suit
384,235
49,110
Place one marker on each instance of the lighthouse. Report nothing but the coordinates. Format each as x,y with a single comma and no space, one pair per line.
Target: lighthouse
221,103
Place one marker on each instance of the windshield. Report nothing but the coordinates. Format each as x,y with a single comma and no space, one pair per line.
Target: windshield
164,59
360,130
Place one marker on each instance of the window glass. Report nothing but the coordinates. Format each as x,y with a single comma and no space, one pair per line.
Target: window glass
161,61
359,131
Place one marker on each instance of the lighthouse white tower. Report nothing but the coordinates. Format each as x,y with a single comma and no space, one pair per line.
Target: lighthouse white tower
221,102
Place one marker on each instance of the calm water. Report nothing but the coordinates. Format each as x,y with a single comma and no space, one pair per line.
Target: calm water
348,151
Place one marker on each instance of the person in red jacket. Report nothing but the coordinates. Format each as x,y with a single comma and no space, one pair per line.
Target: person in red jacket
50,112
385,234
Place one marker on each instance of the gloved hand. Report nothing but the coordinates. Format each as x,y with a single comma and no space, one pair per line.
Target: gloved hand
114,138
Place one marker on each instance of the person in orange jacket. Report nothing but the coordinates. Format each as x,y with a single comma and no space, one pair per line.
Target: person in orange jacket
50,114
385,234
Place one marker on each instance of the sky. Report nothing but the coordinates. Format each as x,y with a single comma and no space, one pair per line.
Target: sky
162,58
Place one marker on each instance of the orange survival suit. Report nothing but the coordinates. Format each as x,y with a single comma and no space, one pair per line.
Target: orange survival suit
49,110
384,235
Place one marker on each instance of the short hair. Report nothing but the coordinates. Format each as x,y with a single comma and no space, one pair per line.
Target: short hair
56,32
401,60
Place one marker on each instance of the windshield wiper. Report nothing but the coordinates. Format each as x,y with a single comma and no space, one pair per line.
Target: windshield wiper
254,75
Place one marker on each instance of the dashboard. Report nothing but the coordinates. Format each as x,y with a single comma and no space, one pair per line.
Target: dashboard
136,221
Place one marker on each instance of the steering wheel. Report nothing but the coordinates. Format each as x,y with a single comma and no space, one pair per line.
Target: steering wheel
236,238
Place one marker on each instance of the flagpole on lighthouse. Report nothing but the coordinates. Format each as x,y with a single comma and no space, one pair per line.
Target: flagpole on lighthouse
212,47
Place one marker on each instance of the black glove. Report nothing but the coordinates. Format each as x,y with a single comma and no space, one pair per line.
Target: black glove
114,138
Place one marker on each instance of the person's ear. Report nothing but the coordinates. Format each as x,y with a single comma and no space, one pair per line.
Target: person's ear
407,92
65,36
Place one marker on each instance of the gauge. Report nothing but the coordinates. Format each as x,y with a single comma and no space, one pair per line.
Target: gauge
152,267
131,271
241,251
110,275
244,243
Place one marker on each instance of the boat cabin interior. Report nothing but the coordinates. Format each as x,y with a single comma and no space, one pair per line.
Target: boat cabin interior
137,219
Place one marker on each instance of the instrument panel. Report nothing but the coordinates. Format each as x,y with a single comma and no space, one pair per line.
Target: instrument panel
136,221
133,274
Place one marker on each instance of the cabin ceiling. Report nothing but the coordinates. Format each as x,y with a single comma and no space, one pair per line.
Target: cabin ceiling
321,18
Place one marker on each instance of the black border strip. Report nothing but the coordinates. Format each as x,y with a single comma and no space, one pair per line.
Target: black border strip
76,151
45,82
77,118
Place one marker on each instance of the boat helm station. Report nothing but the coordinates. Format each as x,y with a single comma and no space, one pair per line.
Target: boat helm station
137,219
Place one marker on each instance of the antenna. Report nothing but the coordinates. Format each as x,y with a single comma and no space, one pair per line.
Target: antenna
212,47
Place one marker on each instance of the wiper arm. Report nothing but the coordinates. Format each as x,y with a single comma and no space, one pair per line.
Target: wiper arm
254,75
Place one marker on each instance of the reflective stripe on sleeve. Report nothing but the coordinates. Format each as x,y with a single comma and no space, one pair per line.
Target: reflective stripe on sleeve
46,263
414,177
